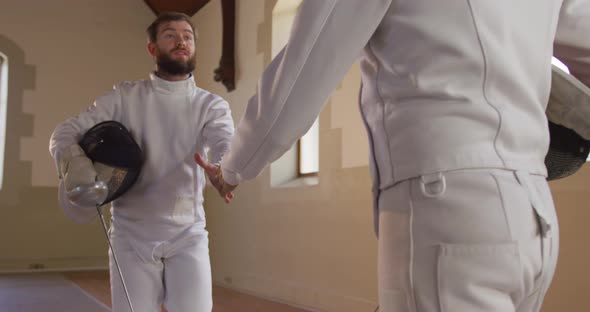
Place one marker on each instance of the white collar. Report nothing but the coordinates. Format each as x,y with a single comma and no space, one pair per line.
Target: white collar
172,86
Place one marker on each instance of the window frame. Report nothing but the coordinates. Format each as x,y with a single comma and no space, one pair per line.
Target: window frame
4,62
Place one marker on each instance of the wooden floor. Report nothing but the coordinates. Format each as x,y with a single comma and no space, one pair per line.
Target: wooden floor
96,283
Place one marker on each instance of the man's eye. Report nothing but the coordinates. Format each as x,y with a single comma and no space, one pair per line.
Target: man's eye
188,38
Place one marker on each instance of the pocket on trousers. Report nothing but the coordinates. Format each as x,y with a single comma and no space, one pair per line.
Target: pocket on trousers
393,300
478,277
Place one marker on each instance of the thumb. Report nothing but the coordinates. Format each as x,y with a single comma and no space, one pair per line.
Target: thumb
200,161
203,163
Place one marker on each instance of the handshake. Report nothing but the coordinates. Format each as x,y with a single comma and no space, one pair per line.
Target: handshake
216,178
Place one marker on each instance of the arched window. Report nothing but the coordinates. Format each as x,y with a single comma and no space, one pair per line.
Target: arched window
3,105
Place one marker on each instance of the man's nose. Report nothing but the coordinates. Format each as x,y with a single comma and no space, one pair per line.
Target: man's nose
180,41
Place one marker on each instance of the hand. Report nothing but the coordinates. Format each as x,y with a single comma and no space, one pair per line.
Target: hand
77,169
216,178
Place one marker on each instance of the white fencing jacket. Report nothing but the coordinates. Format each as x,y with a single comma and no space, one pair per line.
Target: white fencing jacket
450,84
170,121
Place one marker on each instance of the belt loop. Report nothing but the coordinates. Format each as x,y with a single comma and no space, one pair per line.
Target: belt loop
523,178
433,180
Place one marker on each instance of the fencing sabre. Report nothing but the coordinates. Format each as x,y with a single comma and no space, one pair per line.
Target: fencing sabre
117,159
94,195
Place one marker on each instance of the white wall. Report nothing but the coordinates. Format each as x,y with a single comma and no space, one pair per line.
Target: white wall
69,53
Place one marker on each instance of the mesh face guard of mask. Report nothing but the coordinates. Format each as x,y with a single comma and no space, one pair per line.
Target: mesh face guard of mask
567,153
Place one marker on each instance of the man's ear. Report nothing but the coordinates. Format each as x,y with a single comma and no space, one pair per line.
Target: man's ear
151,47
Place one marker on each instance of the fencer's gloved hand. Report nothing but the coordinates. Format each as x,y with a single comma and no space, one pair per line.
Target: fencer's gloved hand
213,171
75,168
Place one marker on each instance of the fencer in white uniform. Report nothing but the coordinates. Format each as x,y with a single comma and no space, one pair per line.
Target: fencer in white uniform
158,227
454,97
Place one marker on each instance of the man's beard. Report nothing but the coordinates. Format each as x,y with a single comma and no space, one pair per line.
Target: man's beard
175,67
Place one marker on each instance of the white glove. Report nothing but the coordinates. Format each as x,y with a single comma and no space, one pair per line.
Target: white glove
75,168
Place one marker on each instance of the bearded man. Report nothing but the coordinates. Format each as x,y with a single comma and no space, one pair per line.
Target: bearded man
158,226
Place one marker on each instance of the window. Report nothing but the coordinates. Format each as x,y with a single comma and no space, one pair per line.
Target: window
3,105
302,160
309,153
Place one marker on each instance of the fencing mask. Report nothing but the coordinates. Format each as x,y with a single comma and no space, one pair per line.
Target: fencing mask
116,156
568,112
117,160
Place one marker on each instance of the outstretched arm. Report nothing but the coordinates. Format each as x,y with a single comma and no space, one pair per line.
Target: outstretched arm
217,132
326,38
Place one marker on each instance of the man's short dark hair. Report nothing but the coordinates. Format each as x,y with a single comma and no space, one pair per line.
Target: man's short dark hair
152,30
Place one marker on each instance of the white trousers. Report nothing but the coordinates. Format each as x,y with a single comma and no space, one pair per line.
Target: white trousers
467,241
176,273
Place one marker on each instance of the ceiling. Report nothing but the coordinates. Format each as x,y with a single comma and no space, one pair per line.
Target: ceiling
188,7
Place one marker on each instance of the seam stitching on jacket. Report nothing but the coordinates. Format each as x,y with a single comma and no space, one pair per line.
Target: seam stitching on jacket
485,80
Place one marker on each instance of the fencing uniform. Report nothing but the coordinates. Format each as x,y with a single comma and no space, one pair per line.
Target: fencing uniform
454,96
158,227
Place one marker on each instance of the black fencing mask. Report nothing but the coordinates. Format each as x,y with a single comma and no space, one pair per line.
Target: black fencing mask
568,151
116,156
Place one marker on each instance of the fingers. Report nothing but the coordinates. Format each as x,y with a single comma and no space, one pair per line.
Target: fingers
225,192
216,178
204,164
228,197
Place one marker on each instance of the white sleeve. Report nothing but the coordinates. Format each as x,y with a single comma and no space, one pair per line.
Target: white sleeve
218,130
326,38
572,40
70,131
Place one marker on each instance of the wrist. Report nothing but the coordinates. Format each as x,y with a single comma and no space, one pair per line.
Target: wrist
230,177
